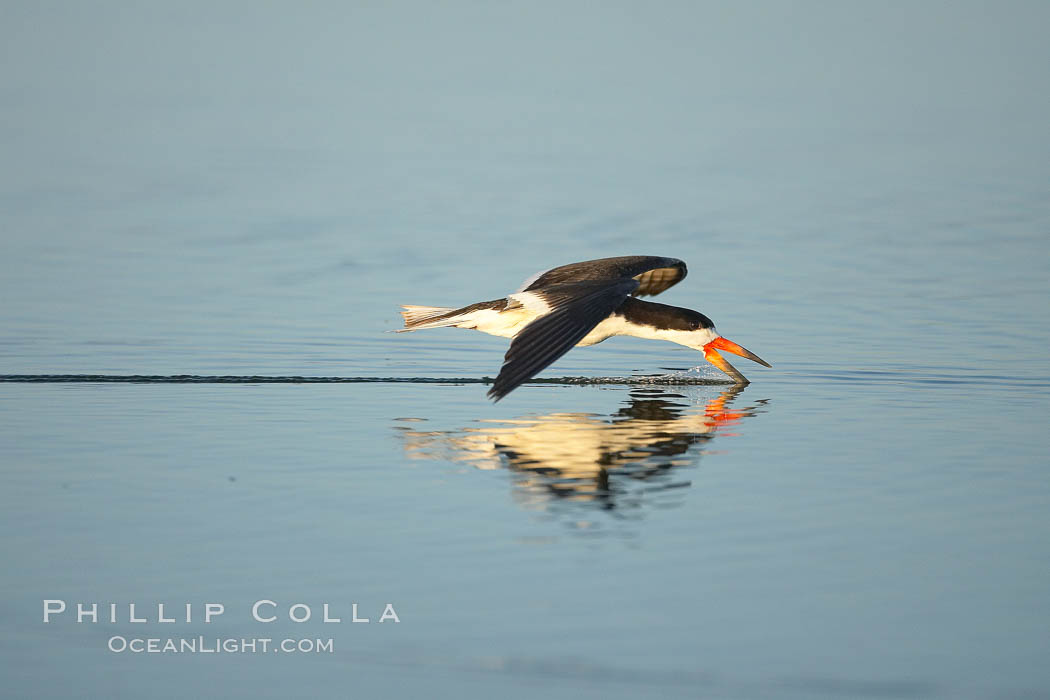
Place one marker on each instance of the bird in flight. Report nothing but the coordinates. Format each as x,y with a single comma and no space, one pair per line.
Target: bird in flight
583,304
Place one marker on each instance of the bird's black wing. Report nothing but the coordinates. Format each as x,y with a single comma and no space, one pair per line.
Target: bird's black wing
659,279
575,310
654,274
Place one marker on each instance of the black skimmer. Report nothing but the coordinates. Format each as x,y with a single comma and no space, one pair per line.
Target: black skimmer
583,304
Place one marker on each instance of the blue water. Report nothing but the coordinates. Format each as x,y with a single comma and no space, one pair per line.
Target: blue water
861,193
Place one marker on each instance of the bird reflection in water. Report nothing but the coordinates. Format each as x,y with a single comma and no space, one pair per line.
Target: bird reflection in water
619,463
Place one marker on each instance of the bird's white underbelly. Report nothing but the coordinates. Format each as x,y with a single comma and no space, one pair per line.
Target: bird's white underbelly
507,324
613,325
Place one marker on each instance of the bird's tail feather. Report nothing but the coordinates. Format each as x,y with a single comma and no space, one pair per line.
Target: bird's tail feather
419,317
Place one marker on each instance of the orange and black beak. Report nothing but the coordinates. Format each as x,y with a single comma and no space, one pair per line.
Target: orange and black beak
711,355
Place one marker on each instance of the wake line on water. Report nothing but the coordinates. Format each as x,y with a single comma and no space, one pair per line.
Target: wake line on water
670,380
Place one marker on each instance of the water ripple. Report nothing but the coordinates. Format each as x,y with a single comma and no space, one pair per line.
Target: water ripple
258,379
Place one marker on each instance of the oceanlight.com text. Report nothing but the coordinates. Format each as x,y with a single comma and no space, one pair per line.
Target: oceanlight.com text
218,645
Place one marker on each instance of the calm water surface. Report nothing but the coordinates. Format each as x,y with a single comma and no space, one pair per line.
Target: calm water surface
861,195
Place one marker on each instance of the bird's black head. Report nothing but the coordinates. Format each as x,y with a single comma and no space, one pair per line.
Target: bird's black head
694,320
664,317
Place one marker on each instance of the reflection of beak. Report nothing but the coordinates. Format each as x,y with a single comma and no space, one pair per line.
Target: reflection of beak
718,411
712,356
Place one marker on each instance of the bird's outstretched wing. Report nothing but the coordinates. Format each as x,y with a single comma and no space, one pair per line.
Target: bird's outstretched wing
575,309
654,274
